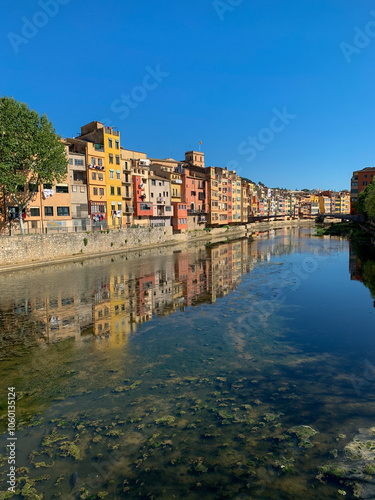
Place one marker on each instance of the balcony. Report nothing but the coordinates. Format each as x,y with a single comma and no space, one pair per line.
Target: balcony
196,211
160,199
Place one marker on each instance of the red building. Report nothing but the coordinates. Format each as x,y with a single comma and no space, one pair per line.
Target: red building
180,216
360,180
195,193
261,208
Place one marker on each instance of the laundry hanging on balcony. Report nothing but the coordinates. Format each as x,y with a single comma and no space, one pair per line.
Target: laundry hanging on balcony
48,192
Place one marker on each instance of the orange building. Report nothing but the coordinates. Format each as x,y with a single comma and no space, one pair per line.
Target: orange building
49,208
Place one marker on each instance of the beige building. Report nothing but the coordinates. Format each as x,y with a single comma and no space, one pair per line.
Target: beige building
78,188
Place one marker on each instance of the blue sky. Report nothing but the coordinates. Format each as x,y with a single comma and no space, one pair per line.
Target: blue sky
224,70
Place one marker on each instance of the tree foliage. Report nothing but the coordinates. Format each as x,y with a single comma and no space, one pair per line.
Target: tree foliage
366,201
30,152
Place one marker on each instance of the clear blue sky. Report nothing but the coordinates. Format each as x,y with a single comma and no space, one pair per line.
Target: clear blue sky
223,73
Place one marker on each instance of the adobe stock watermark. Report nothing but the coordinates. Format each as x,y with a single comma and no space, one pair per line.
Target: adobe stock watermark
255,144
362,39
30,27
223,6
123,105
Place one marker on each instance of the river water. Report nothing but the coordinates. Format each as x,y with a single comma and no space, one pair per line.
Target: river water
241,370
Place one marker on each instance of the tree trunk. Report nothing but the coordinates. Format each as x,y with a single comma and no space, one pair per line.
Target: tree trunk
20,215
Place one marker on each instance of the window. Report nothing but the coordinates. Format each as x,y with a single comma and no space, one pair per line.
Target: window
153,182
78,162
34,211
110,143
152,195
93,161
100,162
79,176
365,183
112,191
62,188
33,187
95,191
93,176
144,206
117,160
61,211
111,174
48,211
119,205
118,175
117,144
74,189
110,158
70,161
118,191
101,191
47,186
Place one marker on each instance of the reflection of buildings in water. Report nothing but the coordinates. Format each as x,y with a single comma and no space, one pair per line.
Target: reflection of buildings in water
101,308
354,264
362,266
227,264
111,306
62,316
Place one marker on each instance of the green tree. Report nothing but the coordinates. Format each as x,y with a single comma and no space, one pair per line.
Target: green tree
31,153
370,202
366,201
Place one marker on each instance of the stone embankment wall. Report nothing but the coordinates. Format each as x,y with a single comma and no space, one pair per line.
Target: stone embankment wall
44,248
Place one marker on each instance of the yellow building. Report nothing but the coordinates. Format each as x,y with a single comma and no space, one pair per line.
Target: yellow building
108,139
113,175
95,179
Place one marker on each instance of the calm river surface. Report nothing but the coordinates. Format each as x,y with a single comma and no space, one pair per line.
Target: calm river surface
242,370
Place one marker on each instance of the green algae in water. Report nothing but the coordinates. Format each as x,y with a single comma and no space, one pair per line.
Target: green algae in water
172,440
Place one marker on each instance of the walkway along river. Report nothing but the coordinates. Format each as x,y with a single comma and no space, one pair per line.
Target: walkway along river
241,370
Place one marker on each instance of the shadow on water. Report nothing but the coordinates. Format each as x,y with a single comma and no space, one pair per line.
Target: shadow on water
223,372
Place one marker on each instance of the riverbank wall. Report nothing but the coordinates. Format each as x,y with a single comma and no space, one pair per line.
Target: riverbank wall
41,249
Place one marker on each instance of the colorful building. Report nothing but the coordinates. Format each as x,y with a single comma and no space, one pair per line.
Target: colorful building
108,140
360,180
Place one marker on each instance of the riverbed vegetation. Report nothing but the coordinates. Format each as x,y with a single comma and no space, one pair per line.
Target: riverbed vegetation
350,230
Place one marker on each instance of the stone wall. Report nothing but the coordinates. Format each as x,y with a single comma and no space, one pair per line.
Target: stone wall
44,247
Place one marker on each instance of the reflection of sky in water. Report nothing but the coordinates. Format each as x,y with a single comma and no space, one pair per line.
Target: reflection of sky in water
199,401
